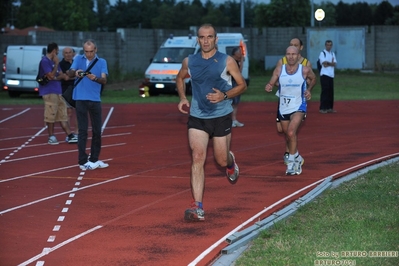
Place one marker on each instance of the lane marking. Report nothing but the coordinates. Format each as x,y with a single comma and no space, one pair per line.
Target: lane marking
60,194
42,172
56,153
10,117
46,251
22,146
49,250
45,144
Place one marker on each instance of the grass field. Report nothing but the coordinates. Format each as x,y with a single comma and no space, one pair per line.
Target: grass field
360,215
348,86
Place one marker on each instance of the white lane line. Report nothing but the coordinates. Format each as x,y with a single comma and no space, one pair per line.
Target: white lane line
10,117
62,193
56,153
56,228
41,172
107,119
49,250
45,144
216,244
22,146
46,251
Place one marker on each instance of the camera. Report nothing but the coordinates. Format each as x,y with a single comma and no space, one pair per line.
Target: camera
82,74
42,80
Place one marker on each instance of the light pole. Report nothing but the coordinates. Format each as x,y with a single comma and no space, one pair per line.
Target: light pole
311,15
242,14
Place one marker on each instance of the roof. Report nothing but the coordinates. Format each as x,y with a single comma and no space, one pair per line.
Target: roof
22,32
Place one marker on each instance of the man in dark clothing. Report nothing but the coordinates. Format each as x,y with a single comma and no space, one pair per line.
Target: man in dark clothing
68,53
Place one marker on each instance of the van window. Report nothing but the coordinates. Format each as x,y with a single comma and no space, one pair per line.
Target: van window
172,55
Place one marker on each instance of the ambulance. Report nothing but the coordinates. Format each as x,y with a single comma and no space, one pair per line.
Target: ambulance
160,76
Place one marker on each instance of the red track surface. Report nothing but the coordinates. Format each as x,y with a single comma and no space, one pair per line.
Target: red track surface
132,212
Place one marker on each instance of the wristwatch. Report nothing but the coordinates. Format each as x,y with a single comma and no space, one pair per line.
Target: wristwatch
225,96
96,79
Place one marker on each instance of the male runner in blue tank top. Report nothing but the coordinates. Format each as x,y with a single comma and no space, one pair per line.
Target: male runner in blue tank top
210,111
293,93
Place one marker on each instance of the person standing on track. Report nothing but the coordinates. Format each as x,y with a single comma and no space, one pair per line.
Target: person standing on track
68,54
88,102
55,109
328,62
303,61
293,93
236,53
210,112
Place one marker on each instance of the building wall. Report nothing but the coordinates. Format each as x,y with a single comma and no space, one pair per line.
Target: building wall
131,49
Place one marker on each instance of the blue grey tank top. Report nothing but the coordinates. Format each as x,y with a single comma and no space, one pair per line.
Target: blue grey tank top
205,75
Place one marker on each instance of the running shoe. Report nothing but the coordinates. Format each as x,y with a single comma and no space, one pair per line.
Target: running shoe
52,140
232,174
236,123
88,166
299,162
291,168
194,213
285,157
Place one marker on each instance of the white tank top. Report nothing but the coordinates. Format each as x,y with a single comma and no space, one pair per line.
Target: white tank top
291,90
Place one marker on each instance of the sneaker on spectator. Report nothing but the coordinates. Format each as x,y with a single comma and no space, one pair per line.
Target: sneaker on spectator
101,164
236,123
232,174
72,138
285,157
298,163
194,213
52,140
89,166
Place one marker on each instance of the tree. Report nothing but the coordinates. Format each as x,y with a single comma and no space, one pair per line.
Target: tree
287,13
261,19
165,18
384,12
102,12
57,14
8,12
186,15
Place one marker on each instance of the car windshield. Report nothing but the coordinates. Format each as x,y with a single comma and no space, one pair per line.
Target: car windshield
172,55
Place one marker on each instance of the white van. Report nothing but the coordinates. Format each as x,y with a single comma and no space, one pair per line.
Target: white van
160,76
21,63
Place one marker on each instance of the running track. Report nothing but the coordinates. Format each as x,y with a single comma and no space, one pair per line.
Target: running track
52,213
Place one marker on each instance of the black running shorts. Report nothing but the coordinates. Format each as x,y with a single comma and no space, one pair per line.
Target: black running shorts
215,127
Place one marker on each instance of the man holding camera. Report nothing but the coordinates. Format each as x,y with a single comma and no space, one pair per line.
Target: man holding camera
92,72
55,109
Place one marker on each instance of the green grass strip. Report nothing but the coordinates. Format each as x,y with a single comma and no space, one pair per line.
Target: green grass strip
350,224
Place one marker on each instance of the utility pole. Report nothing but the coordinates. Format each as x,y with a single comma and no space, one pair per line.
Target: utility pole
312,15
242,14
